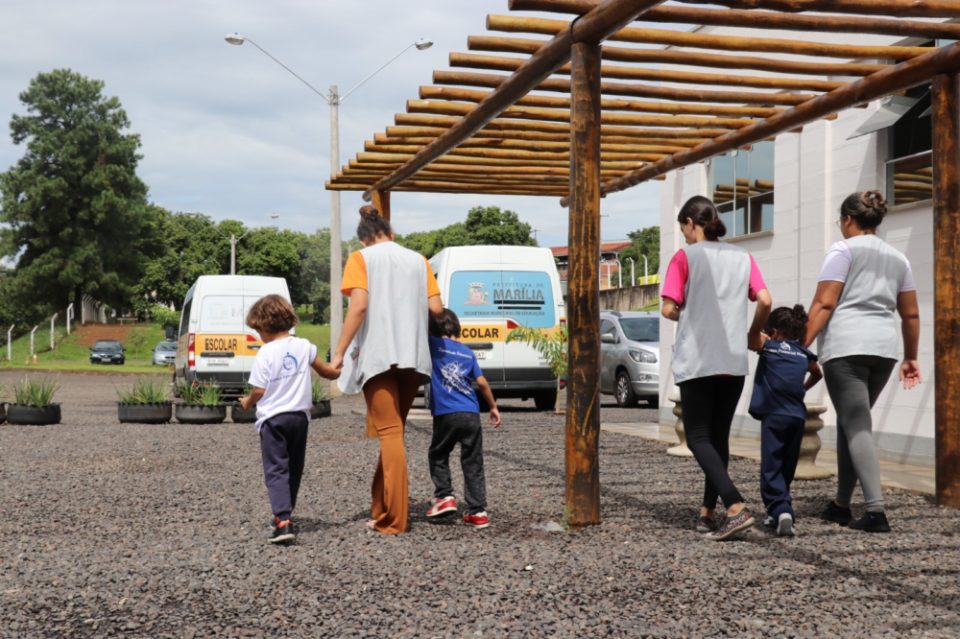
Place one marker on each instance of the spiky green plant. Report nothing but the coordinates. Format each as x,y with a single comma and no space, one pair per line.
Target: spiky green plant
31,392
552,346
209,394
143,391
317,390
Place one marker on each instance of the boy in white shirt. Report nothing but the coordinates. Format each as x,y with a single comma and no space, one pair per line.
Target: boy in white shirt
280,387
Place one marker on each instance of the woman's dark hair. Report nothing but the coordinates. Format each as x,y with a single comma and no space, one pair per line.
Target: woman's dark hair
791,322
447,325
704,214
867,208
372,224
272,314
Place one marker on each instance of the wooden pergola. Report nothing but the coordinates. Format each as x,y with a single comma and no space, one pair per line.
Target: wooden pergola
605,117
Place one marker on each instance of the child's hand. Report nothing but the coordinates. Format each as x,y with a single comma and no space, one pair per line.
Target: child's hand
495,416
246,402
327,371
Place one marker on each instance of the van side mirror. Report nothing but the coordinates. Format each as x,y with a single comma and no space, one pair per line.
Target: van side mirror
608,338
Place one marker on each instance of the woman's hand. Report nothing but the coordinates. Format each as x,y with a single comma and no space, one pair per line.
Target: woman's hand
910,373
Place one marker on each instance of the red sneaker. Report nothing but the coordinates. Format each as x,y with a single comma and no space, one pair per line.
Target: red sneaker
478,520
442,506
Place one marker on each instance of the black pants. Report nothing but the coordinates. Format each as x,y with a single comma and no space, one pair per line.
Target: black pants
283,447
708,405
448,431
780,439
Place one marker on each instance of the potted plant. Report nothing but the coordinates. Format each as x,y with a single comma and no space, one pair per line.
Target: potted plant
240,415
321,403
3,407
33,403
145,402
552,346
201,404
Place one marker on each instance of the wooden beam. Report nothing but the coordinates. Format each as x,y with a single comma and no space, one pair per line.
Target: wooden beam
408,146
898,78
476,61
498,125
608,17
467,78
607,104
511,154
946,268
541,140
381,202
701,40
901,8
754,19
583,295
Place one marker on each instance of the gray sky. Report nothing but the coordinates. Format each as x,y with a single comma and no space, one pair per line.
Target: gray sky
227,132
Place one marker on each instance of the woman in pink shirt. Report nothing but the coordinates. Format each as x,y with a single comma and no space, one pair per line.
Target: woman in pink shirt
706,290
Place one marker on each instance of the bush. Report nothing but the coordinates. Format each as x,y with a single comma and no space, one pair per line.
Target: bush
144,392
30,392
163,316
317,391
202,393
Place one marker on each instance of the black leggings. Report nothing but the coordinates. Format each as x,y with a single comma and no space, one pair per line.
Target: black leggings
708,405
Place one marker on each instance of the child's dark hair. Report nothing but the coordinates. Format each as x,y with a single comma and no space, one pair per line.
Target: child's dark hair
447,325
703,212
271,313
372,224
791,322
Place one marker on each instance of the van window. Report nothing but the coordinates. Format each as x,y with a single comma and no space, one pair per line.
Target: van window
221,313
185,317
523,296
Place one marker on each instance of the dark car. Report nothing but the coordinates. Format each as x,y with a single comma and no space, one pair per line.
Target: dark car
165,352
107,351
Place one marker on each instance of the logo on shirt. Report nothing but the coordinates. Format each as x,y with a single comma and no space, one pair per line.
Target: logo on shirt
454,378
289,363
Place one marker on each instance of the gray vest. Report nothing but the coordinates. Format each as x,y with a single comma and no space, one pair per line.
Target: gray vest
712,331
864,321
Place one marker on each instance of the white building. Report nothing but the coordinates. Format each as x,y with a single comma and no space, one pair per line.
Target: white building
787,202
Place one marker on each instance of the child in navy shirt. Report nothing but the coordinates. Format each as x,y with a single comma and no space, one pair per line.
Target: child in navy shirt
778,390
456,419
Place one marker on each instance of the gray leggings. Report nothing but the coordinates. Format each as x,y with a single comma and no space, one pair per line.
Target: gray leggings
854,383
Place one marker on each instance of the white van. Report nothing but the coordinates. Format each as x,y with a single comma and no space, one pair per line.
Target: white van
214,343
494,289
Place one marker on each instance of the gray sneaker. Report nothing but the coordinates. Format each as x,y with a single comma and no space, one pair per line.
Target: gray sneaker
732,525
785,526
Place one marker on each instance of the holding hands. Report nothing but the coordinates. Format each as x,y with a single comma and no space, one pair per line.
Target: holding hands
910,373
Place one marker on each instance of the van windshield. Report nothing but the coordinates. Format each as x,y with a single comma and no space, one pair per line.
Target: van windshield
523,296
225,313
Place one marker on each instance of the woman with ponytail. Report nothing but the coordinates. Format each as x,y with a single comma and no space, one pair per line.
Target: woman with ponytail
864,283
392,292
706,290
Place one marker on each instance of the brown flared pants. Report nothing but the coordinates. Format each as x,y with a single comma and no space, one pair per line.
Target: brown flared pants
389,397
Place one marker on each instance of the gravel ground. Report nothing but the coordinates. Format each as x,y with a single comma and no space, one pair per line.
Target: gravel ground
159,531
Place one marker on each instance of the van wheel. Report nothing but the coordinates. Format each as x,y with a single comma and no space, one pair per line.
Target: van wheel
545,400
624,390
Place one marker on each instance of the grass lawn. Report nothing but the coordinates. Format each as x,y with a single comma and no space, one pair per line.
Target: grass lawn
72,353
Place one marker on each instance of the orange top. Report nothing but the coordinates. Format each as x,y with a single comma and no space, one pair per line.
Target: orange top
355,276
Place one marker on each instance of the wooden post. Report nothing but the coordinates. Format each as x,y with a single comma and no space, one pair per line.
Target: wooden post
946,248
381,201
583,298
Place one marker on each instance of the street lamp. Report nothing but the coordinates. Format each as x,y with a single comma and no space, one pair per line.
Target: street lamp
333,99
633,274
619,272
233,245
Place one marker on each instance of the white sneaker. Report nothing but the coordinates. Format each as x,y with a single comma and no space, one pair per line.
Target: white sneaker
785,526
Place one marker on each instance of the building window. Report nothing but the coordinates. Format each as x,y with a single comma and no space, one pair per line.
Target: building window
742,186
910,157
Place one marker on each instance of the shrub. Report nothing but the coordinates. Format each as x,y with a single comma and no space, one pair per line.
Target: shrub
552,346
144,391
202,393
164,316
317,391
29,392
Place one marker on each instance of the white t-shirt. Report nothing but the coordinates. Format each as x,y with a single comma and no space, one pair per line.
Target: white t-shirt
282,370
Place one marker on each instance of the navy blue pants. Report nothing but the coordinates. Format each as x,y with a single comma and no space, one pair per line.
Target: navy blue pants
780,439
283,446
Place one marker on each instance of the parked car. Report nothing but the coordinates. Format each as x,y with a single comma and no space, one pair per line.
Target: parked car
107,351
629,356
165,352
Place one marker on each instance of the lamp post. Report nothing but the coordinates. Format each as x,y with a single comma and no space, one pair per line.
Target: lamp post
619,273
633,275
646,270
334,100
233,246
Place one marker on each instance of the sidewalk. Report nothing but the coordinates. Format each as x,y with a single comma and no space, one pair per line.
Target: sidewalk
919,479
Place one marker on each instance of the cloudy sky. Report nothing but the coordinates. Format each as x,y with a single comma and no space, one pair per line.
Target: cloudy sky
227,132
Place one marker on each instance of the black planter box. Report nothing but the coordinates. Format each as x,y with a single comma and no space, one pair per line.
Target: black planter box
159,413
200,414
239,415
33,415
320,409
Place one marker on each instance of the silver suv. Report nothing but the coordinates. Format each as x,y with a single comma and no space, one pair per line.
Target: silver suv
629,354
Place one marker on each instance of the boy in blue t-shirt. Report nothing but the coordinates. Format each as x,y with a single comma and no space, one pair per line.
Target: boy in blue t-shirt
456,419
784,374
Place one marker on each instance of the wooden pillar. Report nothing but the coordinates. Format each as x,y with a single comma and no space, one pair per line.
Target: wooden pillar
583,297
381,201
946,249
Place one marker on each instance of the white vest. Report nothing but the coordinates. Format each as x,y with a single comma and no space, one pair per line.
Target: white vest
712,330
394,331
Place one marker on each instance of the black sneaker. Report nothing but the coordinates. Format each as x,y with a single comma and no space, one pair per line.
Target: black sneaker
284,532
837,514
871,522
732,525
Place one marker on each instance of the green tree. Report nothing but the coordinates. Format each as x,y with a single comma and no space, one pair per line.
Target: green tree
484,225
268,251
75,212
644,242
